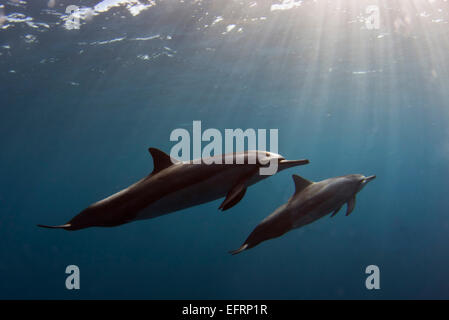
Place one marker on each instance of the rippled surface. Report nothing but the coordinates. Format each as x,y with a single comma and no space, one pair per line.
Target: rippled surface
79,107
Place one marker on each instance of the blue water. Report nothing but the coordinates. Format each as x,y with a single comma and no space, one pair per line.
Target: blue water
78,112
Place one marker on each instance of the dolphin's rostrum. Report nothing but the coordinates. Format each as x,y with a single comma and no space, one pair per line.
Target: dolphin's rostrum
310,202
174,185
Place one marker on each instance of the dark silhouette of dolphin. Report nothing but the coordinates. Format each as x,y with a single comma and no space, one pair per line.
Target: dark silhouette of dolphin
174,185
310,202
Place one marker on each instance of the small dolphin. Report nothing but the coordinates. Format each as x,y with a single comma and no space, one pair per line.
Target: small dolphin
174,185
310,202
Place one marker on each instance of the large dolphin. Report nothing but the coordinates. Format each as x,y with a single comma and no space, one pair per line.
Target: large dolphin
310,202
174,185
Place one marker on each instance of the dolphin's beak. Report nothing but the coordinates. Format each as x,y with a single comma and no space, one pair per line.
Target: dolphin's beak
285,164
368,179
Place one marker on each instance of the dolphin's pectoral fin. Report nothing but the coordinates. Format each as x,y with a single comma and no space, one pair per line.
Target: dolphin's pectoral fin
236,193
335,212
351,205
161,160
233,197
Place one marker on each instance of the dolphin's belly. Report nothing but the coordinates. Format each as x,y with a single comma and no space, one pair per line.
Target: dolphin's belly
208,190
308,218
317,213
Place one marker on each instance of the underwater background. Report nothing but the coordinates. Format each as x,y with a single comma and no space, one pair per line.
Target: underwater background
80,107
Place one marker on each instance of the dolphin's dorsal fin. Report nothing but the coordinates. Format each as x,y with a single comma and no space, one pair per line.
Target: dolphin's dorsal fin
300,183
161,160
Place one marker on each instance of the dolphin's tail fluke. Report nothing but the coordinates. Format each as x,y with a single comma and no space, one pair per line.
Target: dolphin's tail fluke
67,226
242,248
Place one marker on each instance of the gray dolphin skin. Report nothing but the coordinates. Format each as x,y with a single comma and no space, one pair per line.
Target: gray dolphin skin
310,202
175,185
